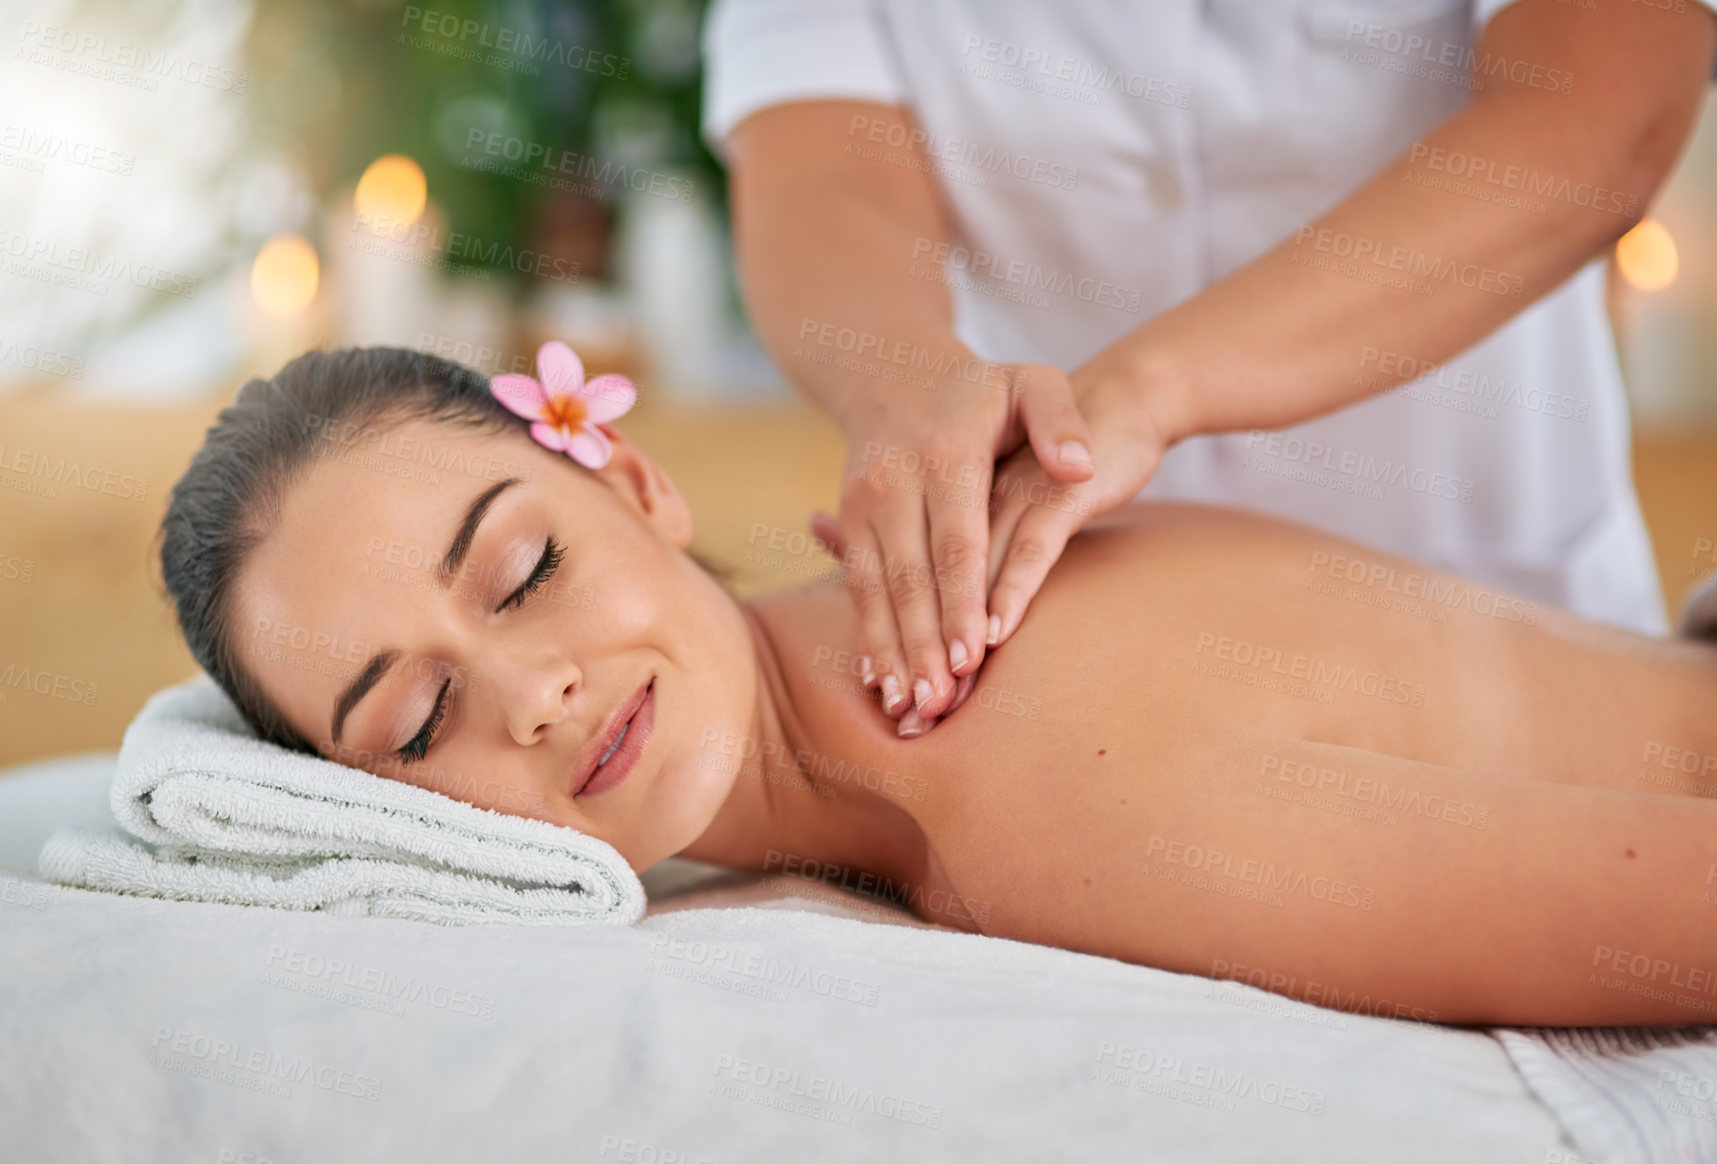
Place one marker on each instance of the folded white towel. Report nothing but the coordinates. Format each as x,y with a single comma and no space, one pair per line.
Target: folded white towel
231,818
1625,1093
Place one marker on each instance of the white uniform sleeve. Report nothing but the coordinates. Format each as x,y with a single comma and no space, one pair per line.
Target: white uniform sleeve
766,52
1483,10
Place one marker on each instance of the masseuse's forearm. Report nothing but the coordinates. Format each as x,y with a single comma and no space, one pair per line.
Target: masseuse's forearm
835,229
1406,271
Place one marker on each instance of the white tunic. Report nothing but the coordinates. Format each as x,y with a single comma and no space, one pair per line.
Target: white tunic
1106,161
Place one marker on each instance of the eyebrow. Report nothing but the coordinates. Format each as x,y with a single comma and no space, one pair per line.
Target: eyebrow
468,530
382,662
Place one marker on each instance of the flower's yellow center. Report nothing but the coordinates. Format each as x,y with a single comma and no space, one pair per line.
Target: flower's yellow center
566,413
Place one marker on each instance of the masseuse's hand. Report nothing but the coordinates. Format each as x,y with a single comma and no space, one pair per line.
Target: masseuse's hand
1033,514
914,530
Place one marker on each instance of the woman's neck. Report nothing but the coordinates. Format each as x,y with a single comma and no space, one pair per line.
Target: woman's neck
776,817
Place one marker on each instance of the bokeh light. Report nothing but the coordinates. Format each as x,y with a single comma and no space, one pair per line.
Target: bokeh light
1646,256
393,189
284,277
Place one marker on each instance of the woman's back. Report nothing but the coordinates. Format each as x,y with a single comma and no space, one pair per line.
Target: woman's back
1219,738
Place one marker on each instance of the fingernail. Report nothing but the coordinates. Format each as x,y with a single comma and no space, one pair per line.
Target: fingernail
995,634
957,654
890,693
911,725
1073,453
868,671
922,692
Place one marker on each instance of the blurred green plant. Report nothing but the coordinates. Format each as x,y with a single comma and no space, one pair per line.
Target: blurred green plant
459,85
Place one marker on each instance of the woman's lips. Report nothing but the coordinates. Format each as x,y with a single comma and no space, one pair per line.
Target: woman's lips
627,745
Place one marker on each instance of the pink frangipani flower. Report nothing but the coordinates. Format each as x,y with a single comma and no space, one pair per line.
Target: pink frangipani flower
565,409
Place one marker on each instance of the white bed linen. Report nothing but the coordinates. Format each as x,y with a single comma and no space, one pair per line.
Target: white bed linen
603,1044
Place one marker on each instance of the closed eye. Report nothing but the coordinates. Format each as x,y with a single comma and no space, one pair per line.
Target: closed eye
419,744
546,565
553,551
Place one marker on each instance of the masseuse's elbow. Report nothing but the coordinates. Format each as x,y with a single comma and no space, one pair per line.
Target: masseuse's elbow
1620,116
1653,143
1644,135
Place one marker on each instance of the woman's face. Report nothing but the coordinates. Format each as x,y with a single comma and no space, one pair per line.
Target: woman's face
515,670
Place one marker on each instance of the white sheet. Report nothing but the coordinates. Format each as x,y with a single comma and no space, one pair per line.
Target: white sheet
402,1041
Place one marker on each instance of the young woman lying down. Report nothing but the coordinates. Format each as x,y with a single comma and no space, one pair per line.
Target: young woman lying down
1300,762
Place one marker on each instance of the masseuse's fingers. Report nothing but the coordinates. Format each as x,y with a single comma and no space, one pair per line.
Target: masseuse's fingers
1034,518
882,512
828,531
956,503
884,662
1057,431
1035,514
889,491
910,581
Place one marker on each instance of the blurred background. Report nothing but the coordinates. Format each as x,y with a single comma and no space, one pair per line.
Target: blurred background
194,191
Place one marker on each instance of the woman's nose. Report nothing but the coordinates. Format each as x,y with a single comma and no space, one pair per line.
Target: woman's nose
537,696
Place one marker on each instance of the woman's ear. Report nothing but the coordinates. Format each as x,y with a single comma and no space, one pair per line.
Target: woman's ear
638,479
